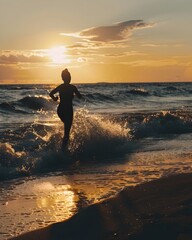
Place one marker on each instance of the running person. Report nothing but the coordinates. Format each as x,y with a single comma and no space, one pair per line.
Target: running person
65,109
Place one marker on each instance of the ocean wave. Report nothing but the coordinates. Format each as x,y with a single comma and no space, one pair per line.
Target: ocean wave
133,92
7,107
97,136
139,91
10,161
171,88
19,87
37,148
164,122
98,97
176,90
37,102
115,96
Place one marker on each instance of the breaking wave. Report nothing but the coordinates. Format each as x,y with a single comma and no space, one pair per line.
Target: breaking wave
164,122
37,148
36,102
139,91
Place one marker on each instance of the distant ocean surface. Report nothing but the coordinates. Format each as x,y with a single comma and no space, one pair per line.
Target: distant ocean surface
122,134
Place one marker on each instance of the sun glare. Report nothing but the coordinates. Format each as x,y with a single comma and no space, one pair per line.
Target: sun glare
58,55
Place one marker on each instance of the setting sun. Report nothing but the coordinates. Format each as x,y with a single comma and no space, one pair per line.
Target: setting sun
58,55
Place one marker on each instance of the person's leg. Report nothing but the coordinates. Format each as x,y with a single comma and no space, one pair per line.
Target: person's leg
67,127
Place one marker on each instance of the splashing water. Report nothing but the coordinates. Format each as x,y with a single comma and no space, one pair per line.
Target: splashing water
93,137
96,135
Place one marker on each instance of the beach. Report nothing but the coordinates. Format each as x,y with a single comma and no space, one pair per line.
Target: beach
159,209
129,154
95,120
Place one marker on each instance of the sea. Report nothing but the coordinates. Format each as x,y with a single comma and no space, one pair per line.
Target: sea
123,134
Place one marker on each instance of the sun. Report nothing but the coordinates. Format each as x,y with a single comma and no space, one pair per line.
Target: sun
58,55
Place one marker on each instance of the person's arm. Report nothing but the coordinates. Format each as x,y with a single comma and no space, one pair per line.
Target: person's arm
77,93
54,91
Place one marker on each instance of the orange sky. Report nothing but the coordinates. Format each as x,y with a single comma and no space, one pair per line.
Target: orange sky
136,41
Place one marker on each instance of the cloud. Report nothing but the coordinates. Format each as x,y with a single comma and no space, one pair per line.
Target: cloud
82,59
14,59
115,33
124,54
154,63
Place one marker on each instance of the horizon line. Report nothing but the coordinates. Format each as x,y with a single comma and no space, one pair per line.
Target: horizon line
1,84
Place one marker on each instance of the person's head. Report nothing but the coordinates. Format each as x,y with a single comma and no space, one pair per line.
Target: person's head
66,76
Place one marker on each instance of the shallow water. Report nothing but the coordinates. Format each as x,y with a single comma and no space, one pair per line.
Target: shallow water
39,200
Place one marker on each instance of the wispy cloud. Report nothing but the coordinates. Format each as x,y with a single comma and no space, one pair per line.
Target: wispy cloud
14,59
124,54
25,56
171,62
114,33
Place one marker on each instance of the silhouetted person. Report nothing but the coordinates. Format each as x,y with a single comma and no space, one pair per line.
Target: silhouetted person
65,109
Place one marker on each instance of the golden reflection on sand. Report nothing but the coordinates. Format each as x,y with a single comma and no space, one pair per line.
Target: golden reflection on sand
58,201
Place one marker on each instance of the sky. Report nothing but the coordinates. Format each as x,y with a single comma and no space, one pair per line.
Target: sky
98,41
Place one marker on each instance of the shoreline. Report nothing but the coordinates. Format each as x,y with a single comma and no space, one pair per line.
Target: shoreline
159,209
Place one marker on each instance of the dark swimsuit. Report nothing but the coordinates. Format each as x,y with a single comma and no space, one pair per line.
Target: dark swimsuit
65,108
65,113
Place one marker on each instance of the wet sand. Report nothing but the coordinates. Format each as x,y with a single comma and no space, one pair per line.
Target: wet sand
160,209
